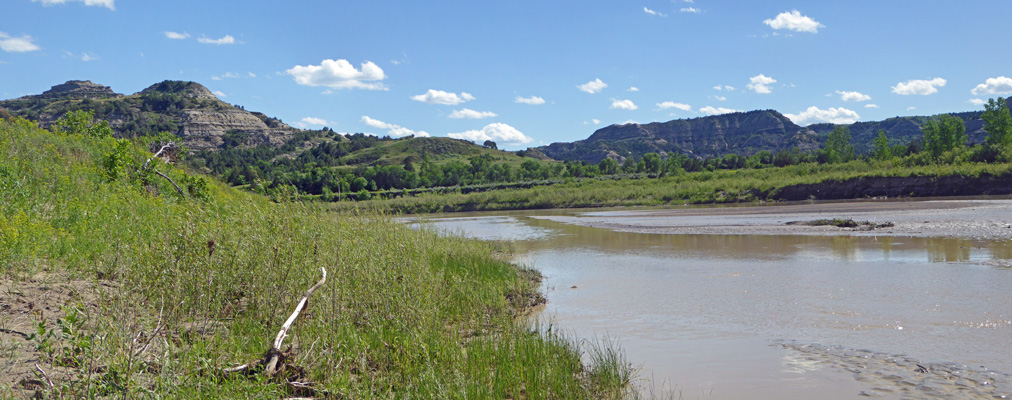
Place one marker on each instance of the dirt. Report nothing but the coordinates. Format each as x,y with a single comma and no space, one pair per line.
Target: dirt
23,304
987,219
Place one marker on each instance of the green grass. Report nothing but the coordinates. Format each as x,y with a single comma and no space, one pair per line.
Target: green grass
404,313
721,186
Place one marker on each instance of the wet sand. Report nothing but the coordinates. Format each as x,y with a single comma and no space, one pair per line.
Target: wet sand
972,219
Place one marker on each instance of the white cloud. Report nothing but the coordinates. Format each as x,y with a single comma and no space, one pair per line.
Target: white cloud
468,113
853,96
977,102
760,84
999,85
393,130
593,86
339,74
311,121
434,96
919,86
251,75
719,98
728,88
623,104
595,121
911,108
12,44
652,12
497,132
710,110
871,106
533,100
692,10
227,39
88,57
219,93
632,89
670,104
110,4
227,75
793,20
177,35
832,115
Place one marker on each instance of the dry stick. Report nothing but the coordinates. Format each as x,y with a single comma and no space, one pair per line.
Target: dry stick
166,147
45,375
170,181
275,352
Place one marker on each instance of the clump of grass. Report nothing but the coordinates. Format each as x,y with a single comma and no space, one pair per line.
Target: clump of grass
185,286
841,223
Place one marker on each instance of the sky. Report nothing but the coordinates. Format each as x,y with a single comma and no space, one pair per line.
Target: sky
522,73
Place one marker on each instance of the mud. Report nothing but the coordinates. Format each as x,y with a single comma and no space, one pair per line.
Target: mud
901,376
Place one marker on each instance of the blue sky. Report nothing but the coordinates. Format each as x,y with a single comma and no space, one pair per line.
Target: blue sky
522,73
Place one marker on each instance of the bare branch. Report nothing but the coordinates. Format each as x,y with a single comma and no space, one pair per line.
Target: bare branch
45,375
168,146
181,193
298,309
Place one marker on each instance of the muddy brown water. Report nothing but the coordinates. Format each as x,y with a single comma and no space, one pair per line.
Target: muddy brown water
774,316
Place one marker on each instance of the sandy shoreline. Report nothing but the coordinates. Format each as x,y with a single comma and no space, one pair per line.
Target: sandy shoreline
974,219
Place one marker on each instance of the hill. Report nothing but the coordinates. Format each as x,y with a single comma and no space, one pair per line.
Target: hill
186,109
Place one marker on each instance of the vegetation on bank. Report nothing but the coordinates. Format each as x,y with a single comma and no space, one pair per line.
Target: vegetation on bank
142,290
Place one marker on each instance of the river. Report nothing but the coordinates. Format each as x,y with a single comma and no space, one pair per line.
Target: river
791,315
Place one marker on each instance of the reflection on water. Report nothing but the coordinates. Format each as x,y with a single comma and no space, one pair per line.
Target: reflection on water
699,311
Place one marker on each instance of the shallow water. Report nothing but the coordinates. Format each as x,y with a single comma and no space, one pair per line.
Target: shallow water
735,316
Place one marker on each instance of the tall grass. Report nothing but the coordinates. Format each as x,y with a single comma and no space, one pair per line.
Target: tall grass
206,283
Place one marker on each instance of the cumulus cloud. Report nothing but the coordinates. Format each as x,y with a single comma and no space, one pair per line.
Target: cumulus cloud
595,121
468,113
832,115
919,86
533,100
88,57
853,96
670,104
728,88
718,98
227,39
633,89
392,129
434,96
594,86
911,108
871,106
219,93
794,21
314,121
177,35
977,102
339,74
652,12
999,85
760,84
21,44
110,4
691,10
497,132
710,110
623,104
227,75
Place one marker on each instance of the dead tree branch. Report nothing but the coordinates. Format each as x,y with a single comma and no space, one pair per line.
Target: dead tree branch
275,353
178,189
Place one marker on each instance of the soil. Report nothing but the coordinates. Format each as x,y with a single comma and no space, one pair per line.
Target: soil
22,305
989,219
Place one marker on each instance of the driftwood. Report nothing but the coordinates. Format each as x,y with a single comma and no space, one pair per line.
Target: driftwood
273,363
166,147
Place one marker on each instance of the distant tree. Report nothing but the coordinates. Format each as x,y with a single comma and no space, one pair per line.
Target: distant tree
838,147
629,166
490,144
881,146
608,166
944,134
997,123
82,123
652,163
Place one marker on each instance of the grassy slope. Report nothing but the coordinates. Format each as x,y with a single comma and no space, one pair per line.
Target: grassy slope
722,186
439,150
405,314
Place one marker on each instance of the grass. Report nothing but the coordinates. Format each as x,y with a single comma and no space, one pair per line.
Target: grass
162,290
721,186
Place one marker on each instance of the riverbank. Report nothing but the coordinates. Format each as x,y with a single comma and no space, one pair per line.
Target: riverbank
962,218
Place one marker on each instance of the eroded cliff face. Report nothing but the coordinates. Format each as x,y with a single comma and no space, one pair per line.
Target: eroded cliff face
743,133
186,109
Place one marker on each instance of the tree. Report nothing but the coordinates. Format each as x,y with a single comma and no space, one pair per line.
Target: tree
490,144
652,163
997,123
881,145
838,147
944,134
608,166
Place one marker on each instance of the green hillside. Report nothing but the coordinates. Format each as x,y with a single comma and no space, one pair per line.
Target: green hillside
118,285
